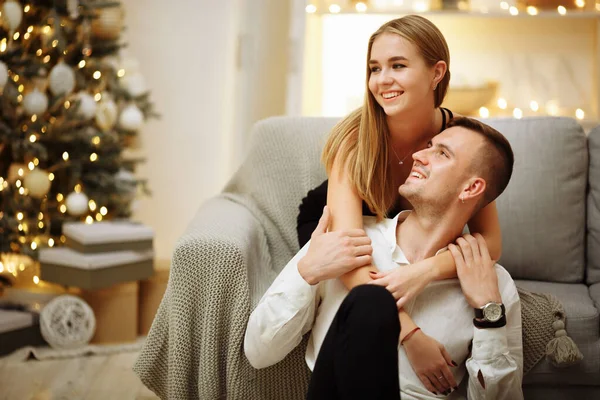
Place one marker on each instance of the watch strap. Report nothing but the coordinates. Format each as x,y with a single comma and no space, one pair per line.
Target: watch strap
487,324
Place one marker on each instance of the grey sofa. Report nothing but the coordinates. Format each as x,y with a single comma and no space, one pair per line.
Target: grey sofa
239,241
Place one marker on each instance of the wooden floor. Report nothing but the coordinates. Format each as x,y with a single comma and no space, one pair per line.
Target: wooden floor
83,378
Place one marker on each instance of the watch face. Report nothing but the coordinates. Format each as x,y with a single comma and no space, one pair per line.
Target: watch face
492,312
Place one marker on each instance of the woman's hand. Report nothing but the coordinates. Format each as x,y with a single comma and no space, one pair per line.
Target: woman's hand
332,254
404,282
431,362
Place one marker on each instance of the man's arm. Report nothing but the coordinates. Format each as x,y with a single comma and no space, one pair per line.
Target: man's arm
496,364
283,315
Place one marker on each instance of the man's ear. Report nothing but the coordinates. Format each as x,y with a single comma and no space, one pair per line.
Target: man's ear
474,189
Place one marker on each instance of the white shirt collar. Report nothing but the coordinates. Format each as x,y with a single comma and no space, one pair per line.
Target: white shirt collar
389,228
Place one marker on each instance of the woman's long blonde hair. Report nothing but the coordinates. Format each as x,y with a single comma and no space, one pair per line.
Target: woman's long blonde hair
361,140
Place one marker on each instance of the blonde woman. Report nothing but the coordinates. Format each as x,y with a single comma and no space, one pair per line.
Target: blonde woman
369,154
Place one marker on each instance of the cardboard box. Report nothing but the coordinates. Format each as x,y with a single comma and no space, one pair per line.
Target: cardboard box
107,236
152,291
93,271
116,312
18,329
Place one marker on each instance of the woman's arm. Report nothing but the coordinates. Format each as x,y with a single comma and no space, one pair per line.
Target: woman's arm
345,206
486,223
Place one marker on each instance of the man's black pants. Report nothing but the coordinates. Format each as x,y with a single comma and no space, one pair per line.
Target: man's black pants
359,356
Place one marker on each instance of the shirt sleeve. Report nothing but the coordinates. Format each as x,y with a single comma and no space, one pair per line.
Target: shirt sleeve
283,315
497,353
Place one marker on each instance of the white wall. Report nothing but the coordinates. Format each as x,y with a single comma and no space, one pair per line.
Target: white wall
186,51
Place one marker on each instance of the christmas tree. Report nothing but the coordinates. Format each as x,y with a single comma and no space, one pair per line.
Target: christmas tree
71,105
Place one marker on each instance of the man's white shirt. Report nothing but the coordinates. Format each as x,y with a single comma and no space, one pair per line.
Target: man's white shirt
291,308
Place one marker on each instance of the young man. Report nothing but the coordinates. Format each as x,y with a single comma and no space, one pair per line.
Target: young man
356,334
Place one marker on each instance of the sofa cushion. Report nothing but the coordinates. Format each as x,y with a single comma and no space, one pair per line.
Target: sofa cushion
583,326
595,294
542,211
593,208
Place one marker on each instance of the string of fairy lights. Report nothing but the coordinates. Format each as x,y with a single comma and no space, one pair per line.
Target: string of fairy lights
501,105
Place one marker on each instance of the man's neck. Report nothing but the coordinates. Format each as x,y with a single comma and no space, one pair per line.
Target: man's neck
422,236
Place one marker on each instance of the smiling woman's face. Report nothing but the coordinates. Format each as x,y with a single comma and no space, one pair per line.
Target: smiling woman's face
399,78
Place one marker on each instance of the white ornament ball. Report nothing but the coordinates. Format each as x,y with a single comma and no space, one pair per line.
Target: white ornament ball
3,75
12,14
37,183
61,79
67,322
87,105
106,114
134,83
73,8
77,203
35,102
131,118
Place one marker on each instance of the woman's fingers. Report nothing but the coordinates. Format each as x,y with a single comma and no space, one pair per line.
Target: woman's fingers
465,248
427,383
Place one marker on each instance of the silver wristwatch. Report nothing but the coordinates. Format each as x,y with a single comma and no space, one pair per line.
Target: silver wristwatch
491,312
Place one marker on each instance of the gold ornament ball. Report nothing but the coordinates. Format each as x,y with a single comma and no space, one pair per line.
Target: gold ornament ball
37,183
109,24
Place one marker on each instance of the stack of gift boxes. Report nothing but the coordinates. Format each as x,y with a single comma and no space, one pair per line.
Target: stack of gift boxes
106,261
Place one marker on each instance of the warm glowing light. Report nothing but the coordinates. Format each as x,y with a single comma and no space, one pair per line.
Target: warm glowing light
580,3
579,113
360,7
93,157
65,156
96,140
89,219
27,8
30,29
311,9
51,242
517,113
502,103
77,188
31,165
16,35
334,9
92,205
26,36
534,105
36,280
50,176
67,104
121,73
552,108
63,238
513,10
484,112
32,138
16,78
531,10
97,75
21,88
3,45
562,10
81,64
62,208
59,197
597,6
33,118
20,216
103,210
504,5
39,52
54,43
97,97
18,183
46,29
41,225
20,227
46,59
20,98
33,247
420,6
98,217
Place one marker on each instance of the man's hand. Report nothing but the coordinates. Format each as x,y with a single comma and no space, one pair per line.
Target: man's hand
404,282
332,254
475,270
430,361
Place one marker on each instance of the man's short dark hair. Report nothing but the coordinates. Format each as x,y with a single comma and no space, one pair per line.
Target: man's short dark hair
494,161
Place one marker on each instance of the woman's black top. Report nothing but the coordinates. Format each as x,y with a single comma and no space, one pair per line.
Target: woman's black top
312,205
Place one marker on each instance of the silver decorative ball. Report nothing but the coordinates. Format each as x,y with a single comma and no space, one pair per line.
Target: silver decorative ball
131,118
61,79
37,183
12,15
35,102
87,105
77,203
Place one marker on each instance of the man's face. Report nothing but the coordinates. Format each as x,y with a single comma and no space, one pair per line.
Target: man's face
442,170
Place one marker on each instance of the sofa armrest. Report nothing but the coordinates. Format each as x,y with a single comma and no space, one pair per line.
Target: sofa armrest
595,294
193,349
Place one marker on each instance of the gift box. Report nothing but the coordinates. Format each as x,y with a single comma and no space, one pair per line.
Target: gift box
107,236
152,291
116,312
18,329
93,271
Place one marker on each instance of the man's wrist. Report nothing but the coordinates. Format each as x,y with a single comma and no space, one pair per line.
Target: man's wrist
307,273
